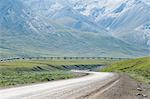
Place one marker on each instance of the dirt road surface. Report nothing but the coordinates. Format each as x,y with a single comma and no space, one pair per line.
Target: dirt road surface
94,86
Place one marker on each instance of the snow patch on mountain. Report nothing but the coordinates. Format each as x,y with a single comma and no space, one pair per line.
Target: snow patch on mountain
145,29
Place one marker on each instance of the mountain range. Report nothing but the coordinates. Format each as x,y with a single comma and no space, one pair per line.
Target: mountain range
107,28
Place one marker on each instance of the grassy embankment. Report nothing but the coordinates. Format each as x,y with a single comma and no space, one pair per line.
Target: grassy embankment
20,72
137,68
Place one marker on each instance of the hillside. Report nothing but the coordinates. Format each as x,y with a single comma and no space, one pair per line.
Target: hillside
56,29
138,68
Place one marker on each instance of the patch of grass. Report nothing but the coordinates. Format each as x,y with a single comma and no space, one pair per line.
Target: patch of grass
137,68
13,78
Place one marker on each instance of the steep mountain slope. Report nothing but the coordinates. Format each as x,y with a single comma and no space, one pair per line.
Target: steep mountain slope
62,12
120,17
30,34
64,33
131,20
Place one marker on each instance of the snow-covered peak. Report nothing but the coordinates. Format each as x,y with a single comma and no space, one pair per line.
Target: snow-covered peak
146,1
86,6
44,7
102,8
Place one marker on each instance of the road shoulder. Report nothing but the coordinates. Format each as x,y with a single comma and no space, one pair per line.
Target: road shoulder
125,88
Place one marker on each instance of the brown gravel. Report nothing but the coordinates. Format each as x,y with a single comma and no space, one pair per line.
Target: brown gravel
125,88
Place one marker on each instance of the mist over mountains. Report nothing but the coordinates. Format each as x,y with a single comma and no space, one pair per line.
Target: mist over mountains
119,28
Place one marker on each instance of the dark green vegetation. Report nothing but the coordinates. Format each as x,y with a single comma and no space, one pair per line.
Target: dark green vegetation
19,72
11,78
137,68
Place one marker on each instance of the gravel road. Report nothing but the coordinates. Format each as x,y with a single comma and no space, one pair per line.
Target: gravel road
77,88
